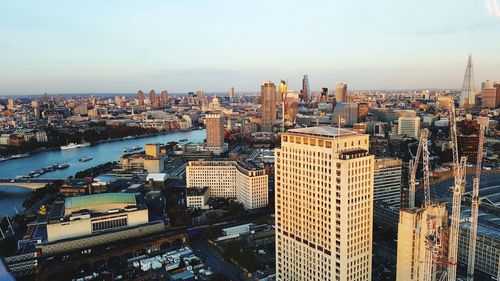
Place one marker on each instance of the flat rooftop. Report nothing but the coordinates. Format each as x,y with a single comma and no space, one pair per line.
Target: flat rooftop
88,201
323,131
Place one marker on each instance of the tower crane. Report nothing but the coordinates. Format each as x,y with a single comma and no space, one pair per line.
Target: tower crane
483,122
457,190
413,164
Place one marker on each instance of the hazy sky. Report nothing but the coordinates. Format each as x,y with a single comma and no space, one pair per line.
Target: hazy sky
184,45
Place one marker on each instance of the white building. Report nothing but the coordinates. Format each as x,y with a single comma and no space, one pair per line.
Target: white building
409,126
91,214
230,179
324,205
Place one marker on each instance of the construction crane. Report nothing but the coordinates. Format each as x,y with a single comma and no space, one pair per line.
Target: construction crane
475,201
457,190
413,164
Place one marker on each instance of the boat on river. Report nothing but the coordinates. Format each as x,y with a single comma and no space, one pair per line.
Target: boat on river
75,145
86,158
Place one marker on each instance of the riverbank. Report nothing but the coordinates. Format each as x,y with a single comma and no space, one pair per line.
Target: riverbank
46,149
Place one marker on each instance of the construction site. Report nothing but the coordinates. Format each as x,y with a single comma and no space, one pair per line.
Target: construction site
429,235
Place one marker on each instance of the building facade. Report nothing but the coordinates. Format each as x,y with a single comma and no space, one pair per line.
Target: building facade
268,106
409,126
387,182
323,205
341,92
215,130
230,179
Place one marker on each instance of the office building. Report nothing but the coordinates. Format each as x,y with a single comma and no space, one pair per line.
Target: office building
304,93
414,227
291,107
164,97
231,94
341,92
387,182
323,205
409,126
153,149
491,96
215,130
140,98
268,106
93,214
468,94
243,181
345,114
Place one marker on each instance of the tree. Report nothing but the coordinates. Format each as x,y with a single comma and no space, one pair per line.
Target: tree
235,209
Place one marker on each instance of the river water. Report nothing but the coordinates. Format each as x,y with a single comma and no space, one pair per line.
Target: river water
12,197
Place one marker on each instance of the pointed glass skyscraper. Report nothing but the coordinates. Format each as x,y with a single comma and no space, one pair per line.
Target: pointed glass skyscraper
468,95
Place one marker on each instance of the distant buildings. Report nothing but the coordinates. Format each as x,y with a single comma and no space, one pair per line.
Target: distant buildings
268,106
231,94
341,92
324,205
226,179
345,114
282,91
153,99
291,107
409,126
413,229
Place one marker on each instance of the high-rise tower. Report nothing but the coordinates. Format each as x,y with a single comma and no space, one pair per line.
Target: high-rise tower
164,97
268,105
282,91
341,92
140,98
231,94
152,98
468,95
323,205
304,93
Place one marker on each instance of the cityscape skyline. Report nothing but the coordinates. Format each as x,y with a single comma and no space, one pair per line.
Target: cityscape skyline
107,49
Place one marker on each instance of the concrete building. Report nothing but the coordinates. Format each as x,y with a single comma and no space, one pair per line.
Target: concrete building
323,205
153,99
413,228
387,181
215,130
164,97
197,198
444,101
268,106
409,126
305,92
231,94
341,92
153,149
291,107
92,214
230,179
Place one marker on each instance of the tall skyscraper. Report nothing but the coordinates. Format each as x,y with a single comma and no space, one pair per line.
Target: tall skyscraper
152,98
215,129
291,106
304,93
231,94
268,105
323,205
491,96
468,95
341,92
415,227
140,98
282,91
164,97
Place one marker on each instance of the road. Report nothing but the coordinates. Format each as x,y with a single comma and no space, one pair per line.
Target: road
216,263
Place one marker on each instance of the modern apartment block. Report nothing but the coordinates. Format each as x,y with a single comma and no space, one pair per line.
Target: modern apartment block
228,179
323,205
387,181
414,227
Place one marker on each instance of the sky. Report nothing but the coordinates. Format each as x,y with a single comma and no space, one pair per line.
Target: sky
122,46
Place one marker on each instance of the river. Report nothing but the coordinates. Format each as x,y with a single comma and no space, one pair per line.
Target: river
11,197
